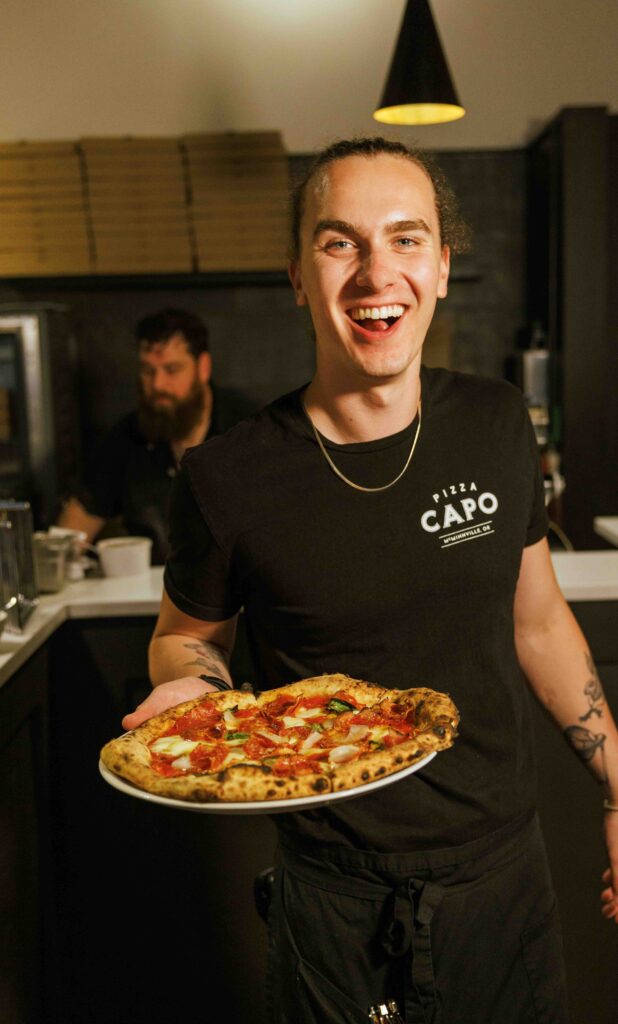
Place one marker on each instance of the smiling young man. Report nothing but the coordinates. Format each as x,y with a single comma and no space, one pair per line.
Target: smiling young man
396,533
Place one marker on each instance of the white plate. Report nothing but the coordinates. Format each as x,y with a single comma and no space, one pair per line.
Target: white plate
260,806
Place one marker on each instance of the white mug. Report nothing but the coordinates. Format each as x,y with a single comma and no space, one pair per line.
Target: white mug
124,556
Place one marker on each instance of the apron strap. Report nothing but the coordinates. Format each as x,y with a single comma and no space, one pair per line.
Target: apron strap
409,912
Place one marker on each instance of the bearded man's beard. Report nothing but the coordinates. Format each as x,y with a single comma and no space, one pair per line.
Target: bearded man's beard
172,422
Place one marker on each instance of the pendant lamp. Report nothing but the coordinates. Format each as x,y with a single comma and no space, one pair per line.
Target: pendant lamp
419,88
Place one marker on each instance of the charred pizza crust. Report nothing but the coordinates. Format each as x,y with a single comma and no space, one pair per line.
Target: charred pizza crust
436,719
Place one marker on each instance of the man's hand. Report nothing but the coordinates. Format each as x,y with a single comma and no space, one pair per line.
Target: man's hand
609,896
165,696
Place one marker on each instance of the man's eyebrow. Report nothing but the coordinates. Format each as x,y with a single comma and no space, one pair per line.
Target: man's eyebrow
334,225
409,225
350,229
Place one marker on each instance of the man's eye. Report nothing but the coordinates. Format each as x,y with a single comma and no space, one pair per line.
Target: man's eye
406,243
339,244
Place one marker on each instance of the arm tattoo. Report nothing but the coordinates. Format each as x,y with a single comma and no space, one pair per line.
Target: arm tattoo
208,656
593,691
584,742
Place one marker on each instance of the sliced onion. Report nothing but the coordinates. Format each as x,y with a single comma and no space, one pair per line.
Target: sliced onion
312,739
343,753
272,736
356,732
290,722
183,763
173,746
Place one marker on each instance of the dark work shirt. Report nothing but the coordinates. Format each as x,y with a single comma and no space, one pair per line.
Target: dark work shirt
411,586
131,477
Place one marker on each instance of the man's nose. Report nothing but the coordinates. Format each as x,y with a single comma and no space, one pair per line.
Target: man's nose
158,380
376,271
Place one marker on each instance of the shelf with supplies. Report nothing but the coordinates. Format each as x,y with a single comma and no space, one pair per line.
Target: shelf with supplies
105,282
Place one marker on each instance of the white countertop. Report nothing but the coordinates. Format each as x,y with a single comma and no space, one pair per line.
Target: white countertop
587,575
582,575
89,598
607,527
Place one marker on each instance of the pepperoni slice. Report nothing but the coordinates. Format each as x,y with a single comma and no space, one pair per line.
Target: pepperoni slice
163,766
313,702
258,747
293,765
203,716
208,759
279,705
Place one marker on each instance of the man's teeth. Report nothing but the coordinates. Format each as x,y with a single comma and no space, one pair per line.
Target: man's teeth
376,312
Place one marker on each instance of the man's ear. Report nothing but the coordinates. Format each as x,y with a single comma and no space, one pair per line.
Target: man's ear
296,281
204,367
445,266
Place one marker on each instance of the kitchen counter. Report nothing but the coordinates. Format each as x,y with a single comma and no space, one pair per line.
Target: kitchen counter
582,575
587,575
607,528
89,598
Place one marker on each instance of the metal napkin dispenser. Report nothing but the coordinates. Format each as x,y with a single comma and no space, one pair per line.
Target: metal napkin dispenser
18,584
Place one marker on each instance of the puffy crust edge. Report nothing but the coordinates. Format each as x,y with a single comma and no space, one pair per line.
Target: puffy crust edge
128,755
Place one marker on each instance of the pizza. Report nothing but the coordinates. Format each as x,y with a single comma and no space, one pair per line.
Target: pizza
316,736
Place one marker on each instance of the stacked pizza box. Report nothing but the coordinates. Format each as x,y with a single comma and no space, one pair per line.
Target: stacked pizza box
137,204
238,200
43,227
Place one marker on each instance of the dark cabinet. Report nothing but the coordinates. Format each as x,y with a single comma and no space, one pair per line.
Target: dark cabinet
156,903
26,920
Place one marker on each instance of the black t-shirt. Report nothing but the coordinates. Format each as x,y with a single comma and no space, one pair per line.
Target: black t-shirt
132,477
412,586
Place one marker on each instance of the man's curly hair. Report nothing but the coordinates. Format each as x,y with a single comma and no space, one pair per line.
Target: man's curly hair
454,232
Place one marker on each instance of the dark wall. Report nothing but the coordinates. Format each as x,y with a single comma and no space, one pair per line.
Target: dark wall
261,342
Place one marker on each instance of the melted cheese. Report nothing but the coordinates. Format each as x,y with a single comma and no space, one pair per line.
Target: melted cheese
291,722
173,746
234,757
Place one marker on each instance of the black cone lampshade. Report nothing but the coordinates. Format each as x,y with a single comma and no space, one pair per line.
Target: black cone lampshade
419,88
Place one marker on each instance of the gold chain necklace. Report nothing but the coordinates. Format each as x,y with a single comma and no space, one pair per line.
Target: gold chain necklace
350,483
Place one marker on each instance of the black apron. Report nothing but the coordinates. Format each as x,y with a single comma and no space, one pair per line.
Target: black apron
463,936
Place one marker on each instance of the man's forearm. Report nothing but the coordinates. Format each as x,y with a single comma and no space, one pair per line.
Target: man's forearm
175,656
560,670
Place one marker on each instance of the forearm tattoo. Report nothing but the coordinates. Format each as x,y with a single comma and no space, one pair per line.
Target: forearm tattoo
590,746
208,657
593,691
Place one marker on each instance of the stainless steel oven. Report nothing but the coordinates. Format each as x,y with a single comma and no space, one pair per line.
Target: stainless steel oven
39,412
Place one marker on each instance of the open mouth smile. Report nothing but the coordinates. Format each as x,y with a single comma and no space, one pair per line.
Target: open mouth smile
376,319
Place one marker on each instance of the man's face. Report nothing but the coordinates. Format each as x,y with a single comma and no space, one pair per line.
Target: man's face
371,266
172,387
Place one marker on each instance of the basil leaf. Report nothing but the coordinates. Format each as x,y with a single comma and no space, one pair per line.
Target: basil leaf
237,736
339,706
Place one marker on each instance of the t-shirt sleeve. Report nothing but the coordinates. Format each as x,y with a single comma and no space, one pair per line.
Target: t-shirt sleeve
198,577
538,523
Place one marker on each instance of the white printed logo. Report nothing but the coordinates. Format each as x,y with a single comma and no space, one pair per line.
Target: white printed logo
461,519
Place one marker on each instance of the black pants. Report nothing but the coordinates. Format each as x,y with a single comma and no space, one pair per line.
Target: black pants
456,937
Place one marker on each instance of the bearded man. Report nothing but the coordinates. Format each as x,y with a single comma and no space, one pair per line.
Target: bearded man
178,407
